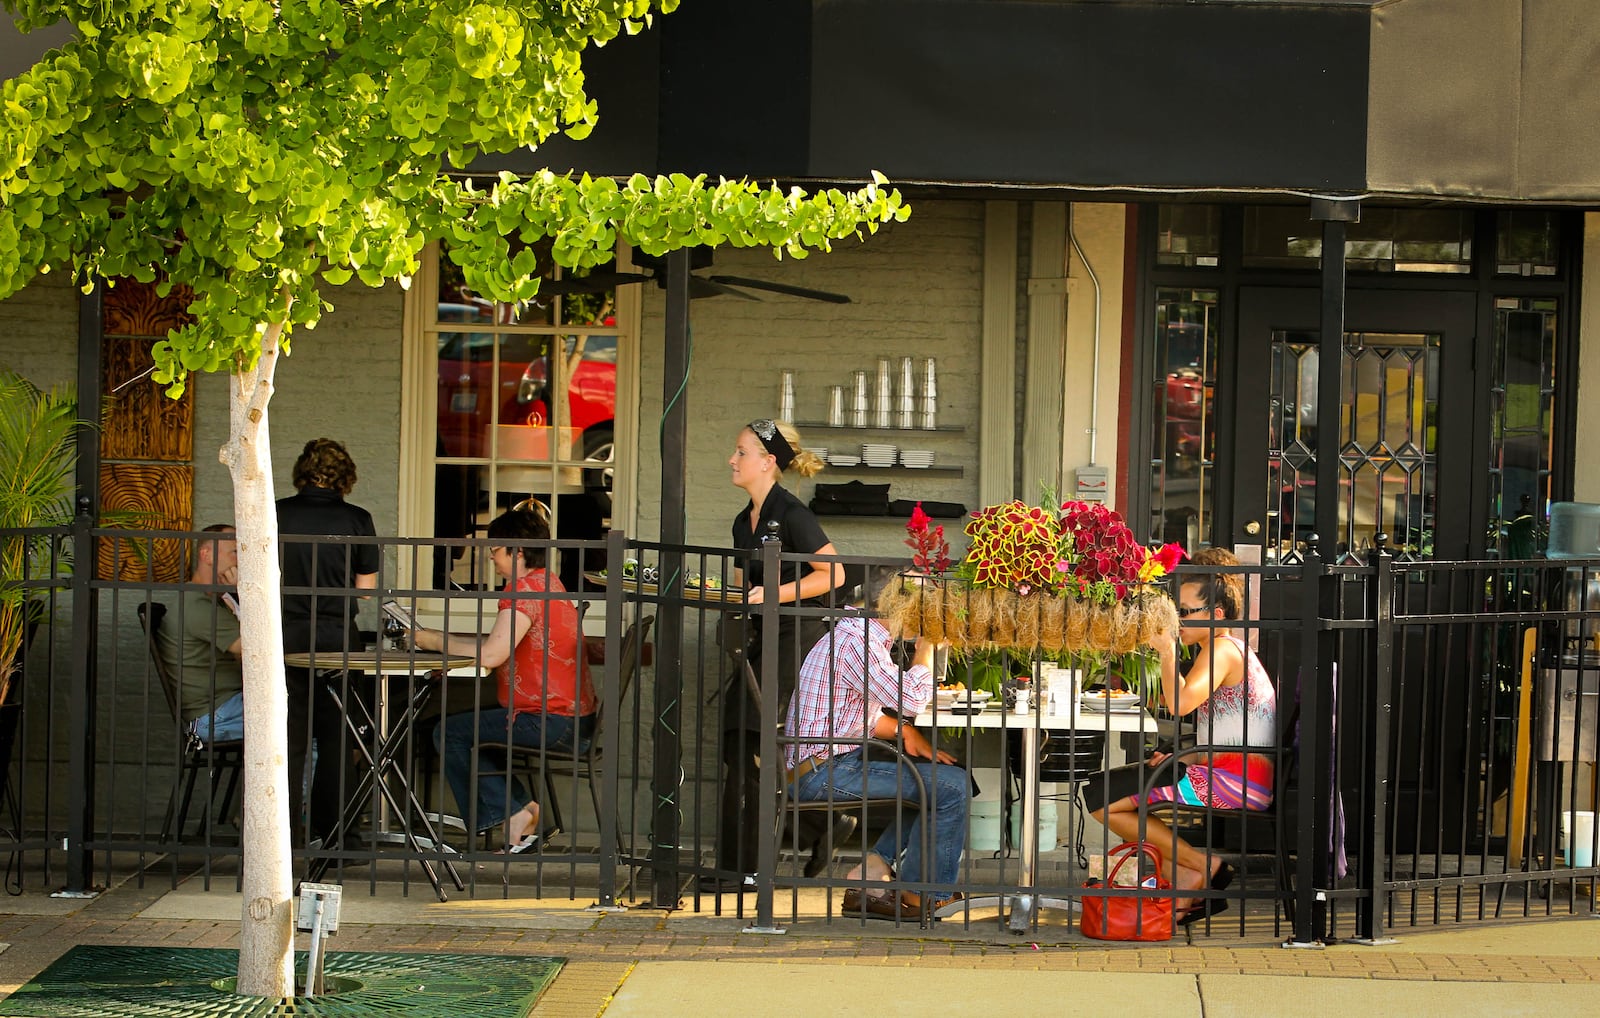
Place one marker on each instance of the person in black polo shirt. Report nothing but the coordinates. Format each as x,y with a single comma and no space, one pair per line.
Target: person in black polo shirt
323,475
763,451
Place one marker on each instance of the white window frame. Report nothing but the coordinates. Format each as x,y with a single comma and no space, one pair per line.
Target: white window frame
420,411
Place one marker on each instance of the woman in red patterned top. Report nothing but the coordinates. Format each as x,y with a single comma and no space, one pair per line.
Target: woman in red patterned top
546,698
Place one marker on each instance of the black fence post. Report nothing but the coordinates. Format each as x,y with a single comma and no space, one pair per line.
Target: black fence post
1371,861
80,715
772,763
611,710
665,785
1312,825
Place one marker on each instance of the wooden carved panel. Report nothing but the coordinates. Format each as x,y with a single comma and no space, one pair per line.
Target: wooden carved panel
164,491
132,308
138,420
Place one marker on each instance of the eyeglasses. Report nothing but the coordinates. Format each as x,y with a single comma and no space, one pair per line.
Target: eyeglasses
1186,612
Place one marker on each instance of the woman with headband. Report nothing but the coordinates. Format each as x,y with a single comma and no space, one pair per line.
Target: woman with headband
764,450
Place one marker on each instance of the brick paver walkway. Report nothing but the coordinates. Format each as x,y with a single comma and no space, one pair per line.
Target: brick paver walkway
602,955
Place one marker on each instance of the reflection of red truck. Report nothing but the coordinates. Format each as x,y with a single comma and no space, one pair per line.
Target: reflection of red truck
468,389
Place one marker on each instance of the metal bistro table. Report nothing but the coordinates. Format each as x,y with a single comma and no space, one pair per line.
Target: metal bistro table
382,765
1023,904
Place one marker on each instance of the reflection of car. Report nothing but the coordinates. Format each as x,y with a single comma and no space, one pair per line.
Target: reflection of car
471,398
1186,395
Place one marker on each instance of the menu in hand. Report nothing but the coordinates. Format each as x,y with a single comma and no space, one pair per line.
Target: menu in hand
394,614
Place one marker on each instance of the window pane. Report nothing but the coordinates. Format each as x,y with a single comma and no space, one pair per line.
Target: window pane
1188,235
1386,240
1528,244
1184,437
526,409
1387,468
1522,397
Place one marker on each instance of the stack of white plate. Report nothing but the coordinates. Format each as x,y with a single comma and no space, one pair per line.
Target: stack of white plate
878,454
916,458
839,459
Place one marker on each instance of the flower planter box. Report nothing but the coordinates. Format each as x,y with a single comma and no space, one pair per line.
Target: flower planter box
950,612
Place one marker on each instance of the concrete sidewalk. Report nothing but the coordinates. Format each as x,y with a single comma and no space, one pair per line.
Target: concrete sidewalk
652,962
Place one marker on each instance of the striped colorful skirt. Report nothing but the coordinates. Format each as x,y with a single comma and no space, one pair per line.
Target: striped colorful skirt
1231,781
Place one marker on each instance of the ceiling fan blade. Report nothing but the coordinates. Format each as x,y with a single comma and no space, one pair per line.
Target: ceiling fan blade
783,288
597,282
699,286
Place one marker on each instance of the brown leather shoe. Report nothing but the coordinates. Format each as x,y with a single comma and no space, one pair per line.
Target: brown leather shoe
911,903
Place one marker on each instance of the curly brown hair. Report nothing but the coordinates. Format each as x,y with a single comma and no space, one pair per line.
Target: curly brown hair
324,463
1222,588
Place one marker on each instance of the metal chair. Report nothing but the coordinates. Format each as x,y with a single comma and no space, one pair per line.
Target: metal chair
1269,824
790,809
213,758
534,761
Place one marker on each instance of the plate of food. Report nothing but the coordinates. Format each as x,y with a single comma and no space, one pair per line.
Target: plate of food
959,697
1109,699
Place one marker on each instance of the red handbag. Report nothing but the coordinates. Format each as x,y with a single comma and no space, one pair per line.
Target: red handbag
1127,918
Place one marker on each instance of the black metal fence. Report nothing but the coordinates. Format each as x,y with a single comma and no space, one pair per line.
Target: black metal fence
1435,761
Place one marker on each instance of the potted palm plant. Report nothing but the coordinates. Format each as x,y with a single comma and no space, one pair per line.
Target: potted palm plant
38,454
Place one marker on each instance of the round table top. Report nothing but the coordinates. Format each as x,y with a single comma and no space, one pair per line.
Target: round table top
382,661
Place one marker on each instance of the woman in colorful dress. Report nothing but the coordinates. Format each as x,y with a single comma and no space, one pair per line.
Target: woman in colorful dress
1228,692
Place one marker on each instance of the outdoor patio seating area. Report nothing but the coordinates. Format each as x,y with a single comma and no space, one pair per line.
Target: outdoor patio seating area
1396,824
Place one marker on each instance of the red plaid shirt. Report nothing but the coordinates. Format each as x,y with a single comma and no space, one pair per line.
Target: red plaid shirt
844,684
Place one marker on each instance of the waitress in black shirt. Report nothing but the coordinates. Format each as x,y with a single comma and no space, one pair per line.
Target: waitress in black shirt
764,450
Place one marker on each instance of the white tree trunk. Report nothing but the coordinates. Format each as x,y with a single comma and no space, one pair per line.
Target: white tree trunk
266,939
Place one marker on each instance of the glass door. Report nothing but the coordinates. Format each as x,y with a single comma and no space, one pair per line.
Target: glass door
1405,424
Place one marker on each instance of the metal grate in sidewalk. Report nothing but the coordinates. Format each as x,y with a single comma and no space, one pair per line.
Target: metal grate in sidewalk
134,982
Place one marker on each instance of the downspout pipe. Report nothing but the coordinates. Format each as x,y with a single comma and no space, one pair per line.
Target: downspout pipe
1094,373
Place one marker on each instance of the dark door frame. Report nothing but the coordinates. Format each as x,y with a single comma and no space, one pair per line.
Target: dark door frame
1228,277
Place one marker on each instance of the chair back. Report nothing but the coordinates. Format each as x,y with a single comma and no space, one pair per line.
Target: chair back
151,615
633,640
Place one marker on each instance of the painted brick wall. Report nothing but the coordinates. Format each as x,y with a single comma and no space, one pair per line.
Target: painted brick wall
341,380
917,287
39,339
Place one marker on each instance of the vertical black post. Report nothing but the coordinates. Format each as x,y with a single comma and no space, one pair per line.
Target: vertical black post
610,737
85,600
1333,213
1312,826
664,781
772,761
1375,717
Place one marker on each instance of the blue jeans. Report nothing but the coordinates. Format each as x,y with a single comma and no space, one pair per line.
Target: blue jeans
457,739
225,724
852,777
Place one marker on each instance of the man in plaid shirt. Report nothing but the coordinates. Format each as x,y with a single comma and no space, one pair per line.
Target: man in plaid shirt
845,685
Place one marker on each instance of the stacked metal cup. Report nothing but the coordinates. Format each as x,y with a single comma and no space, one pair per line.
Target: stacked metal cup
908,398
786,398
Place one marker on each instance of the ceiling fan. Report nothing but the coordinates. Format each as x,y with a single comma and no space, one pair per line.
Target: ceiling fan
655,268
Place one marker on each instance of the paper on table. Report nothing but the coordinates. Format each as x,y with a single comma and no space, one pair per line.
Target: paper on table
392,610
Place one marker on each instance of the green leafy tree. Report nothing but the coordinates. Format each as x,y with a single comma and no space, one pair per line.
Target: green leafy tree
257,151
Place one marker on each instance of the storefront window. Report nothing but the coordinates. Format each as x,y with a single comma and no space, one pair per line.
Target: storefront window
1527,244
1386,240
526,408
1521,429
1181,464
1189,235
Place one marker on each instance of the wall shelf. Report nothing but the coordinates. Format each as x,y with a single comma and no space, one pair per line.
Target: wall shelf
863,468
822,426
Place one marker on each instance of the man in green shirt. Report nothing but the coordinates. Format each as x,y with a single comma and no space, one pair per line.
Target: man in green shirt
199,641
